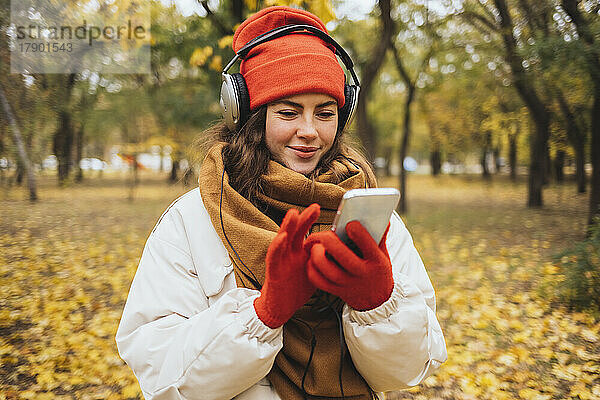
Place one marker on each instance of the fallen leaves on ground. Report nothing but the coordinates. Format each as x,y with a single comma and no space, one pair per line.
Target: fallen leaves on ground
67,263
490,261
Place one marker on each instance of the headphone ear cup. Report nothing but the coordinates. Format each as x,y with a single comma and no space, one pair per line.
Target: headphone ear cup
346,113
234,101
243,98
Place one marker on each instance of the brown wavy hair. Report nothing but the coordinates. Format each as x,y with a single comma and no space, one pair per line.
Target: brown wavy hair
246,156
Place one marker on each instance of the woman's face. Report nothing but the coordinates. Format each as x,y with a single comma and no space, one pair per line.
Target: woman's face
300,129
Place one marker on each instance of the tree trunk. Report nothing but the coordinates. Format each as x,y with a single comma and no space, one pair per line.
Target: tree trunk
3,134
79,154
19,173
133,182
435,159
537,166
547,164
411,86
20,147
512,156
63,145
538,110
595,158
366,131
387,155
403,203
496,154
592,56
580,166
576,137
174,169
559,163
62,142
485,171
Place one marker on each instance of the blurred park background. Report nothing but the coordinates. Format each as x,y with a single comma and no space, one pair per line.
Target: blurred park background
485,113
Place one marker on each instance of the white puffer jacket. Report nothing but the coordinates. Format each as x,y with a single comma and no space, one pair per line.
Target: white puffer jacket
188,332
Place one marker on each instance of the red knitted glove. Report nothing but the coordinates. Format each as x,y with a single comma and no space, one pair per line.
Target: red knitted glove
363,283
286,286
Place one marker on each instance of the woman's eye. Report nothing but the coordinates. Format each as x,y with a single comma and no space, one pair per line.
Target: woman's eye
286,113
326,114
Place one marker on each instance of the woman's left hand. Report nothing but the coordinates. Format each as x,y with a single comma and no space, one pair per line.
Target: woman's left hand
286,286
363,283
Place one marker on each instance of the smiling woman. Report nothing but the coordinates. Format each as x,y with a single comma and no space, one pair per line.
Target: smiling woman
300,129
233,297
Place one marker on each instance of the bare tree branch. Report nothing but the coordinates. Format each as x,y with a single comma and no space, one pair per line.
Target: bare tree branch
401,68
215,19
487,11
471,16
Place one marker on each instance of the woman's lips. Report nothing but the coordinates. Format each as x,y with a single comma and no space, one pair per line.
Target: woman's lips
304,151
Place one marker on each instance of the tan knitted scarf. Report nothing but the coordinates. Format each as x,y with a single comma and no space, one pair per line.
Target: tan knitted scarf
312,337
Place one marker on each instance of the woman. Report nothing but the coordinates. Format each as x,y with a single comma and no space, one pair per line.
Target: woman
232,299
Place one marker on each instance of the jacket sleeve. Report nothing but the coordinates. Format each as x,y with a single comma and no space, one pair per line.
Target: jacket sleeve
399,343
182,344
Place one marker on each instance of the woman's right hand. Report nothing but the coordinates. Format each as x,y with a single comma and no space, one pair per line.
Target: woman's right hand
286,286
365,282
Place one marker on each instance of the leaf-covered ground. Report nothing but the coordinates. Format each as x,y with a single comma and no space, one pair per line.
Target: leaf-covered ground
66,264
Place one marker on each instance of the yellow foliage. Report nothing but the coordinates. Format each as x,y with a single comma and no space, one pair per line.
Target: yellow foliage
251,4
321,8
216,63
200,56
132,390
225,42
489,380
590,335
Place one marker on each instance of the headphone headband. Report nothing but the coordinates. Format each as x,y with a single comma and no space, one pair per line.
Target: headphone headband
235,100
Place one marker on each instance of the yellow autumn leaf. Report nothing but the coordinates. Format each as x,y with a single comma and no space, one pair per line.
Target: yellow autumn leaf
225,42
216,63
488,380
533,310
506,359
132,390
532,394
480,324
589,335
550,268
200,56
581,391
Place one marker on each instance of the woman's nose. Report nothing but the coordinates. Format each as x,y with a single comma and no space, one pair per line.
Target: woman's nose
307,129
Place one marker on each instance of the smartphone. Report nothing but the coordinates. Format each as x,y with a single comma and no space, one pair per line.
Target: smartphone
371,207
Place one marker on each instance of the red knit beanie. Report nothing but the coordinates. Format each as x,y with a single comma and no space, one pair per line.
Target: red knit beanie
292,64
